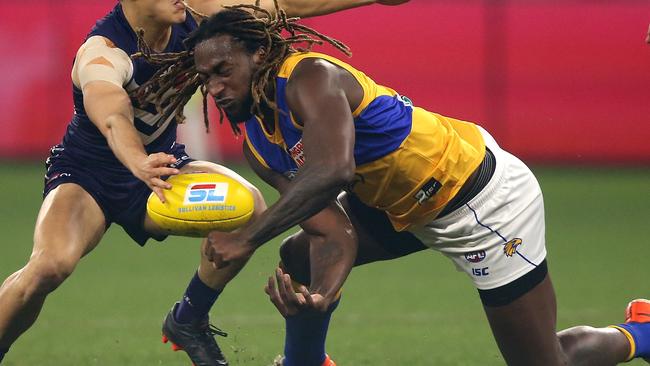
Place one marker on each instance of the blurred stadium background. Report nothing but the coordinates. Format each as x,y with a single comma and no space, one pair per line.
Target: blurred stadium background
564,85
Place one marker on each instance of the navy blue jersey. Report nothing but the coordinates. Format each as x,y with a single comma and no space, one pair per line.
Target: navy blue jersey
83,140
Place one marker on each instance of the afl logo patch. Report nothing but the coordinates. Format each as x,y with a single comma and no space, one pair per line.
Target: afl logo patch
206,193
510,248
476,256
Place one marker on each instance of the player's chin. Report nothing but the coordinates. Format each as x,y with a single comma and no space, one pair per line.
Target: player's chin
179,16
173,18
238,115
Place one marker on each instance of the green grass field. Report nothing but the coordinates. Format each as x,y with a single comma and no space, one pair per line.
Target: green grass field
413,311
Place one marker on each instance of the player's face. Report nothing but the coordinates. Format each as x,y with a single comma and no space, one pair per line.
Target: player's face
163,11
227,69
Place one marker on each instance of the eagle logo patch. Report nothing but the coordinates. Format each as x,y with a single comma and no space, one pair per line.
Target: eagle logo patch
510,248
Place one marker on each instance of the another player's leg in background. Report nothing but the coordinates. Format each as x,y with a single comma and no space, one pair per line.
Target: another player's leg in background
208,283
189,316
69,225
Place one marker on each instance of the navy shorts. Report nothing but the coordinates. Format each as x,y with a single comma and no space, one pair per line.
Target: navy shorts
121,196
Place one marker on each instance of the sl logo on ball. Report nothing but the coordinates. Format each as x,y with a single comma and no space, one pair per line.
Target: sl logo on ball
206,193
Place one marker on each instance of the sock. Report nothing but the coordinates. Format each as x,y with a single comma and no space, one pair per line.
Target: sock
639,336
304,343
197,301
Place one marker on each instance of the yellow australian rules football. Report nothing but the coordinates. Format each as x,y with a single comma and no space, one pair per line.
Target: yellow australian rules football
199,203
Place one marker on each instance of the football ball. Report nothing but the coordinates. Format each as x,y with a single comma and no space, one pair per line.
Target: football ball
199,203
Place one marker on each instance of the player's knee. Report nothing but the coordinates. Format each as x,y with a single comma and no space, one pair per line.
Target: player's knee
294,253
46,274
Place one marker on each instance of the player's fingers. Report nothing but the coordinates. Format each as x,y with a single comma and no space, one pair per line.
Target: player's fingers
275,298
308,299
162,159
278,279
159,193
157,182
290,292
267,287
162,171
286,292
220,262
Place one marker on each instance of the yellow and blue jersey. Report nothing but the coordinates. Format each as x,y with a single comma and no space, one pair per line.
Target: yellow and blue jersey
409,162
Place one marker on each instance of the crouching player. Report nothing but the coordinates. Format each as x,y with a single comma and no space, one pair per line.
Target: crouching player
414,179
114,153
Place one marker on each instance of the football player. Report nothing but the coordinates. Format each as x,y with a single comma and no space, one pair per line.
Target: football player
413,179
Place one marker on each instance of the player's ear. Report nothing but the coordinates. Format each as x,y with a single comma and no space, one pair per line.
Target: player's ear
260,55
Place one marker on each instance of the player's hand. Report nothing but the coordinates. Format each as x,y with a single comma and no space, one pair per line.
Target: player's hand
392,2
647,38
152,168
288,301
224,248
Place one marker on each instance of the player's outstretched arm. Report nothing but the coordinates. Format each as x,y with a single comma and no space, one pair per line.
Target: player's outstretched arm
333,249
100,71
299,8
316,97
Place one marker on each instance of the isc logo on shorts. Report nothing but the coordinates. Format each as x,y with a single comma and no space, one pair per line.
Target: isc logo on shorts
205,193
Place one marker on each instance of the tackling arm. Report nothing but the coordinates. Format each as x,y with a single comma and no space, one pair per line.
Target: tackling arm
333,241
299,8
100,71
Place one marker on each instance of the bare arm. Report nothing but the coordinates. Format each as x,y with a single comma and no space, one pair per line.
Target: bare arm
99,72
333,242
300,8
315,95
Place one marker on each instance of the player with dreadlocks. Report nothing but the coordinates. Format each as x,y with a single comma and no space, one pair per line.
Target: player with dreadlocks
119,144
411,179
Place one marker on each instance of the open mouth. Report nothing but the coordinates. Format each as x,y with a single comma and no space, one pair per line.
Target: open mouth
224,103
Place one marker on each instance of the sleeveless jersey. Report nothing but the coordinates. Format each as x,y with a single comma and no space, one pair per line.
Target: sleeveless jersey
83,139
409,162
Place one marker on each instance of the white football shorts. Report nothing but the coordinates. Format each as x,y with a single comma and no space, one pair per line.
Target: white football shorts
499,235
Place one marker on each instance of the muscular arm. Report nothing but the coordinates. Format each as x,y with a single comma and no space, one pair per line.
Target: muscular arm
109,108
317,97
333,241
300,8
100,70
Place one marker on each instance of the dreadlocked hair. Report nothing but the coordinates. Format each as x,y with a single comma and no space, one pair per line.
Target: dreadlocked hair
251,25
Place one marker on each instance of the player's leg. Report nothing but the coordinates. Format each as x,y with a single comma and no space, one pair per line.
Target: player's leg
306,333
608,346
217,279
502,232
207,276
525,332
524,328
187,323
497,238
69,225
